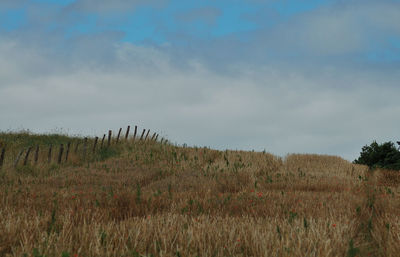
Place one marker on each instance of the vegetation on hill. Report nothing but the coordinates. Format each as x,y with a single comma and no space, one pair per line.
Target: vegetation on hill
384,155
80,152
154,199
25,139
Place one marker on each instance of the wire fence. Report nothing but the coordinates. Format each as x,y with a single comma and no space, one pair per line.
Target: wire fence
81,149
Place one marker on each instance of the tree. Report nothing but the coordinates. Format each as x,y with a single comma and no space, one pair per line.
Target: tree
384,155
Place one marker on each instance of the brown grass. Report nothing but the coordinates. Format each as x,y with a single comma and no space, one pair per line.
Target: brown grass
162,200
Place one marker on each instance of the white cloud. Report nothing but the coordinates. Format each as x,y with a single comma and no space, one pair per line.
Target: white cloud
268,107
339,29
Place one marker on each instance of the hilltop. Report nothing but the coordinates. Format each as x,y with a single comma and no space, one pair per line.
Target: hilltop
151,198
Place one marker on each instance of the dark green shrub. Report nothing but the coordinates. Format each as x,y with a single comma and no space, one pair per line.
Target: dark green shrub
105,153
384,155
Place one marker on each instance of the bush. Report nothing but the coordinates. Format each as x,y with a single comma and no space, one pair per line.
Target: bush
107,152
376,155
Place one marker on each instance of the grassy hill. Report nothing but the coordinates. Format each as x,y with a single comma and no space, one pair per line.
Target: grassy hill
145,198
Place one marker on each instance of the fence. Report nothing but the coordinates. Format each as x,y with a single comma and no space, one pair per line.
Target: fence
61,153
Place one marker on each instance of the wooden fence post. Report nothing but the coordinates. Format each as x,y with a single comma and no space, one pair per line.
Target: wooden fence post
109,138
60,153
119,133
162,139
67,152
154,136
95,143
27,155
127,133
49,154
18,157
148,131
37,154
3,152
84,146
141,137
102,141
134,135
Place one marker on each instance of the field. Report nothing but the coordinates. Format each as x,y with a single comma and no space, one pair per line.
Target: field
144,198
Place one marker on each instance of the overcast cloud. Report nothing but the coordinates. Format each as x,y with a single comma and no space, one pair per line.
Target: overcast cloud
339,30
206,14
322,81
12,3
111,7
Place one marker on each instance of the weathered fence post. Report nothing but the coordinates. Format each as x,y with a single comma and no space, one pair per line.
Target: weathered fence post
18,157
134,135
27,155
67,152
3,152
127,133
154,136
49,154
84,146
95,143
60,153
36,154
109,138
162,139
119,133
141,137
148,131
102,141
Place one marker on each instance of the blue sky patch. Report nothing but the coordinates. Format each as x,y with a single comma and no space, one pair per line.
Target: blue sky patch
12,19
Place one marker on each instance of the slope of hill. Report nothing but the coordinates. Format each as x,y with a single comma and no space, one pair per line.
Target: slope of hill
145,198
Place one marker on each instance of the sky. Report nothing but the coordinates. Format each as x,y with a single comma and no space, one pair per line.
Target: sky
284,76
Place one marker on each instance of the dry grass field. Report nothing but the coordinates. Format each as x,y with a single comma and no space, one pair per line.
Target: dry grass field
151,199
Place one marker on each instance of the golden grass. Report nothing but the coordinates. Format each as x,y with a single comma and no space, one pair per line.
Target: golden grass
163,200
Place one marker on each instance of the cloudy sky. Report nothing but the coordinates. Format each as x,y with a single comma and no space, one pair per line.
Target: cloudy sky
287,76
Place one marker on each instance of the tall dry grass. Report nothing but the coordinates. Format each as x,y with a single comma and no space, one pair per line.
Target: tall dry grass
164,200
